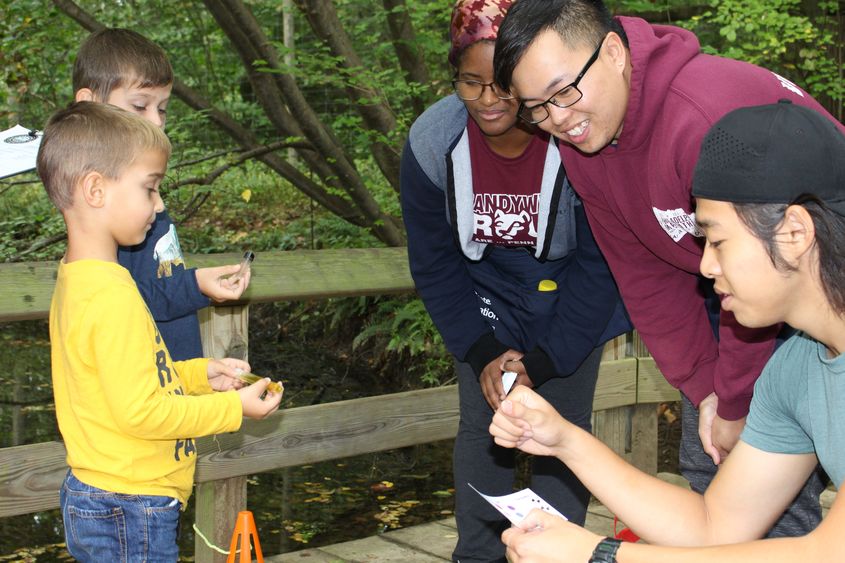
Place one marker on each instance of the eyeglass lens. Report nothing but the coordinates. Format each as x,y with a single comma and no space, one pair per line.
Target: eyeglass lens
563,98
471,90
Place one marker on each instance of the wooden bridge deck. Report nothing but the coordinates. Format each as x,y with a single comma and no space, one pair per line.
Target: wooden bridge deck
426,543
433,542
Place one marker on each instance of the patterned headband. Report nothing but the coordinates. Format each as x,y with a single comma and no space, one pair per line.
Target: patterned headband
473,21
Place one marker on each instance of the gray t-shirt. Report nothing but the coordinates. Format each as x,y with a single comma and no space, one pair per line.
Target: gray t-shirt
799,405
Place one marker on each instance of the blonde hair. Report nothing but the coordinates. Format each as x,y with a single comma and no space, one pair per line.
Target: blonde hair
92,137
111,58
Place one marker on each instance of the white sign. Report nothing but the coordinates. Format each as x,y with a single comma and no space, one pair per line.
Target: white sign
18,149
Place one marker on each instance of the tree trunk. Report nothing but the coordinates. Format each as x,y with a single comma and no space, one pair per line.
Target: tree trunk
291,115
407,50
322,17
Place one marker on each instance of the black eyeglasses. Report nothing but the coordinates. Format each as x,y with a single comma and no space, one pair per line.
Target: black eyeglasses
471,90
563,98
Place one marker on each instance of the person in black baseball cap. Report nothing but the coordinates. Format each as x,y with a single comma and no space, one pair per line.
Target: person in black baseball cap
770,198
772,154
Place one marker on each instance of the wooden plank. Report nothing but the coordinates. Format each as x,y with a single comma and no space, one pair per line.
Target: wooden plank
377,548
319,274
612,426
345,428
335,430
27,287
30,477
617,384
435,538
616,348
600,520
644,437
225,334
424,543
638,346
652,387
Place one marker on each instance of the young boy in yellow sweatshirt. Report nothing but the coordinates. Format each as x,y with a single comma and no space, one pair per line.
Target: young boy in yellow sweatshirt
128,414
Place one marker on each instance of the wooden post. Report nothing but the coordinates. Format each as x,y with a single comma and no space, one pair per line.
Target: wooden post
225,334
644,437
217,509
613,427
652,388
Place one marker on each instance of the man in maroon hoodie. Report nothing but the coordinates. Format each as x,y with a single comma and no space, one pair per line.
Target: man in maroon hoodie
631,102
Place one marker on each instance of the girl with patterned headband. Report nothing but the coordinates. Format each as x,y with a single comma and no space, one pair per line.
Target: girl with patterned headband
505,263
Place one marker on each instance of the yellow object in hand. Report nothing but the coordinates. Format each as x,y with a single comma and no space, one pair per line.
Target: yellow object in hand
546,285
250,378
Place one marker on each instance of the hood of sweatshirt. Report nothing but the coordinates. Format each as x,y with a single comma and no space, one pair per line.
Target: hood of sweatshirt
658,54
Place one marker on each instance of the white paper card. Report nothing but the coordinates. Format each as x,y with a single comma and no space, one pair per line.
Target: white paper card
508,379
18,150
516,506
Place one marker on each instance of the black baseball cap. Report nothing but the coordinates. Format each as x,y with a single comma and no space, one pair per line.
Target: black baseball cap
772,154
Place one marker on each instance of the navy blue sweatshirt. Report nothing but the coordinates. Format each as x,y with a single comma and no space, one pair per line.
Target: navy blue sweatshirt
484,299
169,289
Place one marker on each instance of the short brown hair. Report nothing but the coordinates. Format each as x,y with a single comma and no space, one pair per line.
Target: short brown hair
112,57
92,137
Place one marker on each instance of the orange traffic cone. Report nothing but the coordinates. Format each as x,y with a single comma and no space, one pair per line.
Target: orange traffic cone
244,530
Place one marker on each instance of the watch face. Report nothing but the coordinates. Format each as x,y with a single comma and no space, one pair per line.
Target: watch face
605,551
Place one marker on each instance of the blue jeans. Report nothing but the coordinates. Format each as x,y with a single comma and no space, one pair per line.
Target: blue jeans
101,526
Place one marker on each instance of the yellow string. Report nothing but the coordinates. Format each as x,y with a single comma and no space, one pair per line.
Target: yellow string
211,545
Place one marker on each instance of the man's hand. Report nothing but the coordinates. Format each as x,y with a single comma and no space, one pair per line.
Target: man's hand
527,421
491,377
542,537
718,436
726,434
216,284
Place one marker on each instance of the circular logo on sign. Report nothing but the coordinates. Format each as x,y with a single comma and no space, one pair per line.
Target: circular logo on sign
19,139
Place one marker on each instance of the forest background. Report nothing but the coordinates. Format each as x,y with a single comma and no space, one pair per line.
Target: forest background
288,119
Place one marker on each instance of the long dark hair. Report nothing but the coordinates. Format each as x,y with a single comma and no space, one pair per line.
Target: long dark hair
764,220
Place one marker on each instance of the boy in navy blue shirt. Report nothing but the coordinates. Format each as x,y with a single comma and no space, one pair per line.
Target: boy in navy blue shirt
123,68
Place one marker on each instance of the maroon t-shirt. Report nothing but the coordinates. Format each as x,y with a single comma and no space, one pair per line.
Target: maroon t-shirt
506,191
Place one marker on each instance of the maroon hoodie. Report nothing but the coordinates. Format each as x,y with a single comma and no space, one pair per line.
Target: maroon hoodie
637,194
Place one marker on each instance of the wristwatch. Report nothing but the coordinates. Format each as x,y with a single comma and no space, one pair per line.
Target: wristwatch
605,551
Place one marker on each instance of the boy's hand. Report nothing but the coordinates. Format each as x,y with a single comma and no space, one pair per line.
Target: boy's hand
253,405
216,283
223,374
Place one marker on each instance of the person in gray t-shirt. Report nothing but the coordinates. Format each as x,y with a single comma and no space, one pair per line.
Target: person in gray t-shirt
770,198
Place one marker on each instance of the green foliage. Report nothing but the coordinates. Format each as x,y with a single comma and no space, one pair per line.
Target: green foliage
26,97
780,36
402,326
27,217
249,206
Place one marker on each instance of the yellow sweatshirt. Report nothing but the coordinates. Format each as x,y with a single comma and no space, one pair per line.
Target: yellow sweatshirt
128,414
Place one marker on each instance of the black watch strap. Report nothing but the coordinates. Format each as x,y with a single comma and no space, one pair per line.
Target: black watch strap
605,551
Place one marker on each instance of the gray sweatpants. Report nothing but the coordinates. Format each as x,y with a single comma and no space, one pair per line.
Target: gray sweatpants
802,516
490,468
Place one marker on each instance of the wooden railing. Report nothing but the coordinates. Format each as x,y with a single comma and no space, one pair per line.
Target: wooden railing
30,476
